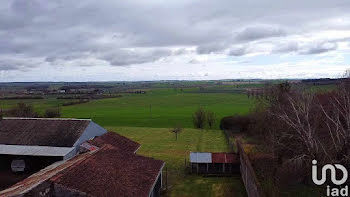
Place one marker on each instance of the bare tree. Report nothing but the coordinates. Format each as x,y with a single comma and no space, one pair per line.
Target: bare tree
177,129
211,119
199,118
337,114
22,110
301,135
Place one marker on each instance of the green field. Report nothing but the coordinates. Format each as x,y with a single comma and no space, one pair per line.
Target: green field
160,143
159,108
146,118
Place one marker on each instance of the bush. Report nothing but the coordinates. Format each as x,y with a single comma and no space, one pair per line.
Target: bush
20,97
199,118
211,119
237,122
75,102
52,113
22,110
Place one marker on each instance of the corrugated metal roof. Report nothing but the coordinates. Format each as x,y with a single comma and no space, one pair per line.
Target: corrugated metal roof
34,150
196,157
203,157
224,158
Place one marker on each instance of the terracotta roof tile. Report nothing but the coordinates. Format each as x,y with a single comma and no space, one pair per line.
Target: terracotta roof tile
110,172
116,140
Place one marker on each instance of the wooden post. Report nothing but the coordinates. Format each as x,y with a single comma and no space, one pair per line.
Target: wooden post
150,110
223,167
207,168
197,167
166,178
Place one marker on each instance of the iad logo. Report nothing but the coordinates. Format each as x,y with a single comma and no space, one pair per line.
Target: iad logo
333,172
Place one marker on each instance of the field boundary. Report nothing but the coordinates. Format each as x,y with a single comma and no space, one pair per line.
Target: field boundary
248,175
230,144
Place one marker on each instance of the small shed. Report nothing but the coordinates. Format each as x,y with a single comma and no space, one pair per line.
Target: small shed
214,163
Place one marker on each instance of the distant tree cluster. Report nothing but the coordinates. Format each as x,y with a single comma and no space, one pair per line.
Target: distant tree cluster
202,118
27,111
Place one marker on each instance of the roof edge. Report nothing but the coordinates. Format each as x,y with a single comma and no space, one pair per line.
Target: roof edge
137,149
25,118
155,181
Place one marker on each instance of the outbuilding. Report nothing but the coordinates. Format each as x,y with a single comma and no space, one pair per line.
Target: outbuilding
214,163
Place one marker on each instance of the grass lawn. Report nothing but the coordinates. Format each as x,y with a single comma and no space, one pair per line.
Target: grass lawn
159,108
160,143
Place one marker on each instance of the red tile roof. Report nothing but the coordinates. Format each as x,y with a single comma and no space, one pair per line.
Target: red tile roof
110,172
41,132
116,140
224,158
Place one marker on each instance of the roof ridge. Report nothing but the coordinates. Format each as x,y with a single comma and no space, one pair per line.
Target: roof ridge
25,118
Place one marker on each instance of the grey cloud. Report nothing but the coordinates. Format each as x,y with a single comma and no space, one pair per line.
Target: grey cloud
238,51
194,61
211,48
259,32
65,30
287,47
18,63
311,48
317,48
124,57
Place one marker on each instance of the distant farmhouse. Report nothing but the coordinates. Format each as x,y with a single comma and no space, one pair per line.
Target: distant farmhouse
72,157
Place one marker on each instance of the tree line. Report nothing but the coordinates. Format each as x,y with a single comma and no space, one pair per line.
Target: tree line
27,111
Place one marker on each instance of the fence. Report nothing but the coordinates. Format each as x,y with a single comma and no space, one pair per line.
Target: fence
228,136
249,178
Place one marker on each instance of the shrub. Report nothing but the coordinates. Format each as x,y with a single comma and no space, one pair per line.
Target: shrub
237,122
211,119
22,110
75,102
52,113
199,118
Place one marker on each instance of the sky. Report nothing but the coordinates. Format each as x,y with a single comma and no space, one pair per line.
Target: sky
137,40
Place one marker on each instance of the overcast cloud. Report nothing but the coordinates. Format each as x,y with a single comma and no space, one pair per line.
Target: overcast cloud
85,40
